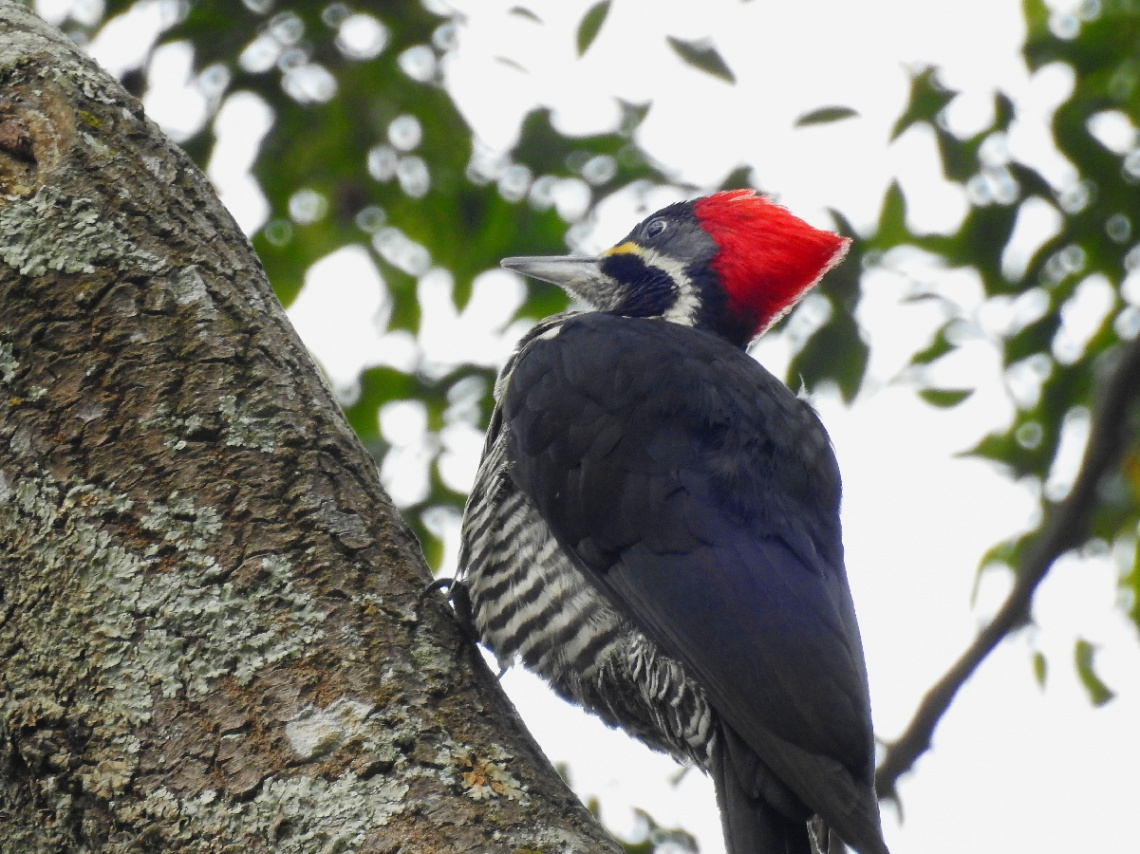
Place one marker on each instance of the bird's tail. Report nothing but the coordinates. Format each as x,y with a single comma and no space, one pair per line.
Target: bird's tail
759,814
823,839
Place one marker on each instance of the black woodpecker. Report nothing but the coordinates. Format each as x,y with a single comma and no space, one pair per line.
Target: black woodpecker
654,527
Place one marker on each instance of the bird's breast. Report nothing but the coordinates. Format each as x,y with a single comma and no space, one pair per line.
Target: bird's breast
531,603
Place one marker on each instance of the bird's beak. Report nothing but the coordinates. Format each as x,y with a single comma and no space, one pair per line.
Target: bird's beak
581,276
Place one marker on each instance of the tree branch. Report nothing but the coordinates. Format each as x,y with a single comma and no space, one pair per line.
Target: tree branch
1065,527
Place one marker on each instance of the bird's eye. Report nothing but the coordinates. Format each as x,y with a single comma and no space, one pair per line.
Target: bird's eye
654,227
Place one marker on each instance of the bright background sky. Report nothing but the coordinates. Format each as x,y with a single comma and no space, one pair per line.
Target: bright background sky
1014,767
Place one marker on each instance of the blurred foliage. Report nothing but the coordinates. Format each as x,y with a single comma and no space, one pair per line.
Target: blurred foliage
1052,375
591,25
368,148
673,840
825,115
1084,653
653,836
702,55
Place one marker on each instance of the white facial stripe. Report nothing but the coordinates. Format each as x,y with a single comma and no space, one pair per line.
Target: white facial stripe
688,303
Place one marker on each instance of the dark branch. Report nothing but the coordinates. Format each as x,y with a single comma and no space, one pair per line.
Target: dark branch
1065,527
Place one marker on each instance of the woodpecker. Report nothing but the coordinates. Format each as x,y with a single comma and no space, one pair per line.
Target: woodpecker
654,527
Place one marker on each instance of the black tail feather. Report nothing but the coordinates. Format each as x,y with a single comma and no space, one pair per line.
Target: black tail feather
824,840
751,824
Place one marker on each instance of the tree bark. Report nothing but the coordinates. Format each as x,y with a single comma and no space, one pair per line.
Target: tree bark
211,630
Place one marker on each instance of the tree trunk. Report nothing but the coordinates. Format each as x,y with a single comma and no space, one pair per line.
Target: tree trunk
211,635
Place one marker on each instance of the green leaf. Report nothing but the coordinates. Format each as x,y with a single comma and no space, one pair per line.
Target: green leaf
1040,668
524,12
1006,554
1131,583
1084,653
661,838
1031,181
892,230
927,99
944,398
836,353
1005,111
825,115
959,156
938,348
1035,338
1005,449
702,55
592,22
511,63
737,179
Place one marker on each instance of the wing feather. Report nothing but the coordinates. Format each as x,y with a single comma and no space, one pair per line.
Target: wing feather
701,497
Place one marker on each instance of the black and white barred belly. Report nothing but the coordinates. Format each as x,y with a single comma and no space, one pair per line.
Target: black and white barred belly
530,603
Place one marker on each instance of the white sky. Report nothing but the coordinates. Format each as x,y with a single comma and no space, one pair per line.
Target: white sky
1014,767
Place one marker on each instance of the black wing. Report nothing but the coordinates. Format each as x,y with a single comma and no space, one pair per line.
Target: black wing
702,496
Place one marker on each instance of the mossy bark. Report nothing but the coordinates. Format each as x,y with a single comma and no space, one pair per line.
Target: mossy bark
211,633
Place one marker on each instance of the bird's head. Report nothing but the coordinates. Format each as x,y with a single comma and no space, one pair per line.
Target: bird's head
732,263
